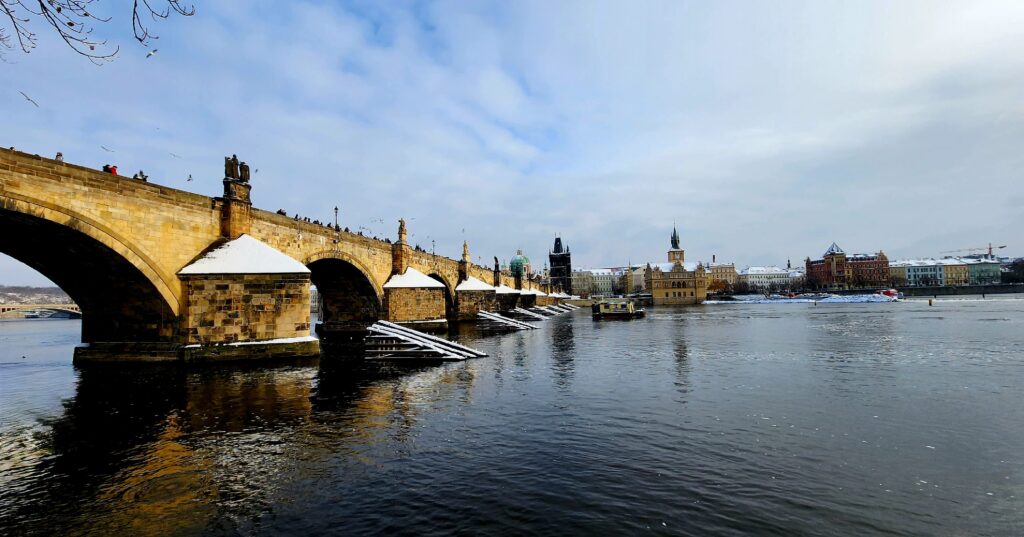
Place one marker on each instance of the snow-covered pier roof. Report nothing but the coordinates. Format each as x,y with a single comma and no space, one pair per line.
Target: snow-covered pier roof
473,284
412,278
245,255
505,290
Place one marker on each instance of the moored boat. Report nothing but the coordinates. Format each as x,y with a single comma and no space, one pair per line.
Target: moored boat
615,309
891,294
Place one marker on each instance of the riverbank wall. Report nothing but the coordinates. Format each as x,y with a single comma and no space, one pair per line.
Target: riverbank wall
963,290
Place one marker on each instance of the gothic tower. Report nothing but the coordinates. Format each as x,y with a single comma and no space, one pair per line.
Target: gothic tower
561,267
676,254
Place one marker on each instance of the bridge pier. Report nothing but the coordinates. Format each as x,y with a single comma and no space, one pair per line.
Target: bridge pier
473,296
411,297
415,298
246,299
507,298
127,351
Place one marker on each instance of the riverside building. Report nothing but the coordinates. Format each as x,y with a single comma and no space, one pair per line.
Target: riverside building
765,278
949,271
836,270
582,282
724,273
678,281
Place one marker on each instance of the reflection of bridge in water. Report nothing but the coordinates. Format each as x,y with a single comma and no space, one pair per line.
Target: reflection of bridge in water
163,274
157,449
20,311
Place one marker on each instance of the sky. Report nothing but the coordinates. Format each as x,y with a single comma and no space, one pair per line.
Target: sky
764,130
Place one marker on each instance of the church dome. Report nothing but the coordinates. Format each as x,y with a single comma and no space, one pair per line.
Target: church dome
520,264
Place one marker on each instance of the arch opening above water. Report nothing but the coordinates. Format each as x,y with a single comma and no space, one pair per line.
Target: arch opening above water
118,300
349,300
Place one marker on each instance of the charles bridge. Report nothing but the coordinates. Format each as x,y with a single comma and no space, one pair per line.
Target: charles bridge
164,274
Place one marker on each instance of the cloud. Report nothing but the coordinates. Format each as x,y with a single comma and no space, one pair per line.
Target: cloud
765,131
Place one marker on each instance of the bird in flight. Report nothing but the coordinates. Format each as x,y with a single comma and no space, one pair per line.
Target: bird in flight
189,177
107,149
175,155
150,53
29,99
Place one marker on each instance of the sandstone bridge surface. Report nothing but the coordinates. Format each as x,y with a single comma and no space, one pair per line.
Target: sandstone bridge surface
120,248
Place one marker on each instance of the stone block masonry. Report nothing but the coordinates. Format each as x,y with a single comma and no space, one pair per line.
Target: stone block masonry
469,303
507,301
405,304
229,308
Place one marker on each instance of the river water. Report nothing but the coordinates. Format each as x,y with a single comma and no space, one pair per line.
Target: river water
728,419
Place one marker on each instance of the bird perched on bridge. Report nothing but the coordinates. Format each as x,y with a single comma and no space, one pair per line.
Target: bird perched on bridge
150,53
29,99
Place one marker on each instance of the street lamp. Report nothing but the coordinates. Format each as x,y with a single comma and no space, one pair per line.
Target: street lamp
336,218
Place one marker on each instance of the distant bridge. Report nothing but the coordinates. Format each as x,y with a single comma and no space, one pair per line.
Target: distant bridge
117,246
13,310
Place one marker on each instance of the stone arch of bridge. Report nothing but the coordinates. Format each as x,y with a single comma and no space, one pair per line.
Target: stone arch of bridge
338,255
120,291
351,298
449,295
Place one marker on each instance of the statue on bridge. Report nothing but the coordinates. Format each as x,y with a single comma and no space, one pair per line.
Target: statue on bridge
465,251
243,172
231,167
401,230
497,268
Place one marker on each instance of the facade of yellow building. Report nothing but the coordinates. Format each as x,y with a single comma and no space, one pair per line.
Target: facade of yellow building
724,272
677,282
957,272
898,274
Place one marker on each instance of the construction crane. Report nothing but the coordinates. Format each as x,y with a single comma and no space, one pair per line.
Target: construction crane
989,248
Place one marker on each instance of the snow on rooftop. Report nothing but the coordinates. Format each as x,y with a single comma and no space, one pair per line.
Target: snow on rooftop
834,249
412,278
667,267
473,284
245,255
930,262
764,270
505,290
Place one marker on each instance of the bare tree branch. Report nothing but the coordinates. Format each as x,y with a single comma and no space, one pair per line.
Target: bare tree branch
74,21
